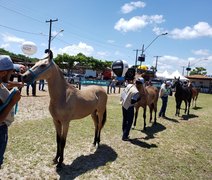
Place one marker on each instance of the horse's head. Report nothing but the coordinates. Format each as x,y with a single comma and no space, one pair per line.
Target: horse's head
176,82
41,69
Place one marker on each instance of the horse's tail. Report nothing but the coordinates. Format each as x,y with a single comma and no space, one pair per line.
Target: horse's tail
104,117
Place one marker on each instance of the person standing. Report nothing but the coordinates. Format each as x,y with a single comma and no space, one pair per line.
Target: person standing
164,92
7,101
129,97
41,85
113,85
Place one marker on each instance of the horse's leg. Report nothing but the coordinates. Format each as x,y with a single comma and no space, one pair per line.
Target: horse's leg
177,111
189,104
150,112
63,143
155,109
136,116
95,120
144,116
58,128
186,106
102,116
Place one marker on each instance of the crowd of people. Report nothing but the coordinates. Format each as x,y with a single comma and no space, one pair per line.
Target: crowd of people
9,96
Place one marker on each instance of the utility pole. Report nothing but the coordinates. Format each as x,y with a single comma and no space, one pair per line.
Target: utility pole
136,58
50,31
156,63
183,70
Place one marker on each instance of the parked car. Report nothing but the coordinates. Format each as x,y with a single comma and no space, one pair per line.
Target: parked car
76,78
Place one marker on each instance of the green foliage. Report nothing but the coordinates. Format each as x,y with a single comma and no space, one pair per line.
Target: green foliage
68,61
199,71
18,56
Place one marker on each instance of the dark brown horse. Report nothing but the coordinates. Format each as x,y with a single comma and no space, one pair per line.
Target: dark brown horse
149,97
182,93
68,103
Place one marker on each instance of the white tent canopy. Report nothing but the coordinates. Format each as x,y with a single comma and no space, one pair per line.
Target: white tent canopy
162,75
175,74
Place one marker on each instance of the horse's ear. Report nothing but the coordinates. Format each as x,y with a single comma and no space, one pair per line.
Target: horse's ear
50,56
174,77
179,78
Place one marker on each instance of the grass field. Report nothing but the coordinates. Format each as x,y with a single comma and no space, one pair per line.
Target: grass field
173,149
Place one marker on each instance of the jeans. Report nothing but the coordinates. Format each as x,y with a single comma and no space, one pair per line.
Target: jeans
41,84
128,116
163,107
3,141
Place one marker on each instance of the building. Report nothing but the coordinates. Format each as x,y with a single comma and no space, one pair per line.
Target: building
201,81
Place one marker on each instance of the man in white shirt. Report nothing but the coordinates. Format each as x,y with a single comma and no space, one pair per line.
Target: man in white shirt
129,97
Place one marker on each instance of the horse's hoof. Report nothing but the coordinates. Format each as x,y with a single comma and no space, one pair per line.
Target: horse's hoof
133,127
54,161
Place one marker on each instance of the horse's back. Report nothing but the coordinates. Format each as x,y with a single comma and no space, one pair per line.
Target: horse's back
97,92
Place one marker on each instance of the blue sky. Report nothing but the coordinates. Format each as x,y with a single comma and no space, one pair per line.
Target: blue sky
114,29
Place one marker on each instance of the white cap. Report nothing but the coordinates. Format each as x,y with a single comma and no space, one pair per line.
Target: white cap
168,83
140,79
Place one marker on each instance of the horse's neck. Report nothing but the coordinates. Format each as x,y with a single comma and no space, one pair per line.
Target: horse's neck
57,86
142,90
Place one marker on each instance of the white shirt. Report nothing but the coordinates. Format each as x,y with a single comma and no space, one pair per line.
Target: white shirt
4,93
130,92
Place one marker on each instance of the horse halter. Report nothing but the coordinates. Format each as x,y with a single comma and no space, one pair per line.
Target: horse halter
34,75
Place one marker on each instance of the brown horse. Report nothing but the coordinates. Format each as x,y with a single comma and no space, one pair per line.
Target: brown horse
149,97
68,103
195,93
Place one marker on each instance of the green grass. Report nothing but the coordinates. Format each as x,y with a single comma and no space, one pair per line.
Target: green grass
173,149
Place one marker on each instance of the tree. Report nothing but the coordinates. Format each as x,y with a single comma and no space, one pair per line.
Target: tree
199,71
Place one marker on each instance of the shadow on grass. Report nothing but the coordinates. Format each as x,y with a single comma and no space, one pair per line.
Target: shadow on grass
151,131
171,119
82,164
189,117
142,144
196,108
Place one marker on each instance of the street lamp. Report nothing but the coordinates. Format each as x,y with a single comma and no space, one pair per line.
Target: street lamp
189,65
56,34
141,58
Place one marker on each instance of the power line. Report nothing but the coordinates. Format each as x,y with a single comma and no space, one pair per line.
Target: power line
21,14
27,32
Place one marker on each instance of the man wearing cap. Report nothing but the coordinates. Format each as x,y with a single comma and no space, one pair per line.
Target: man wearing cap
164,92
129,97
7,102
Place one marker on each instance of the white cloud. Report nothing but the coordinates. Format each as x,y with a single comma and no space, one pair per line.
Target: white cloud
77,48
110,41
5,46
201,52
128,7
128,45
199,30
12,39
137,22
